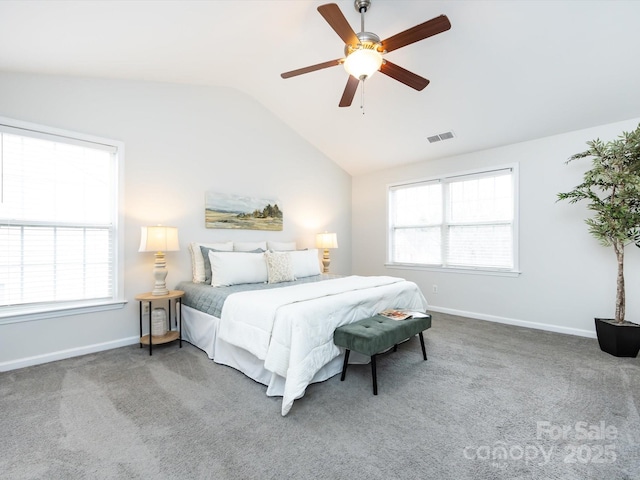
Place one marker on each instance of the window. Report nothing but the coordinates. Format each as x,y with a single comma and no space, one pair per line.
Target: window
464,221
58,220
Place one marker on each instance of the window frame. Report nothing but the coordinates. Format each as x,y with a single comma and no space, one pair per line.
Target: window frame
30,312
445,180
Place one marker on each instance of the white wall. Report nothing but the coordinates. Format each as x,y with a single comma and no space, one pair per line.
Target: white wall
567,278
180,142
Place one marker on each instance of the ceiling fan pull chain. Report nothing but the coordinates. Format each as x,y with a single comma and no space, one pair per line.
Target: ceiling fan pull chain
362,97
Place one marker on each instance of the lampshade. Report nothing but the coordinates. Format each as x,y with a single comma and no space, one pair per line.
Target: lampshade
159,239
363,62
326,240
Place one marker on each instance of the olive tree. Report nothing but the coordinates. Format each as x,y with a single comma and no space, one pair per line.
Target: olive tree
611,188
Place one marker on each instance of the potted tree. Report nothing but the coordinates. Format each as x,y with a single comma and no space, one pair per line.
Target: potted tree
612,189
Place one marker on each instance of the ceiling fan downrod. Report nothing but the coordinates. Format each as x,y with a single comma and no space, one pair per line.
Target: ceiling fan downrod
361,7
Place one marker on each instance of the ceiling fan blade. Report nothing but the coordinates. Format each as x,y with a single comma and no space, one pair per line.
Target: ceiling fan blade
415,34
349,92
311,68
334,17
404,76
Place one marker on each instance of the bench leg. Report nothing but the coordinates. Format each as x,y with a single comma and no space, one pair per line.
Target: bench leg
373,374
344,365
424,351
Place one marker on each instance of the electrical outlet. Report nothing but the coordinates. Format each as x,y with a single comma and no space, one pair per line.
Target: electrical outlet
434,289
145,308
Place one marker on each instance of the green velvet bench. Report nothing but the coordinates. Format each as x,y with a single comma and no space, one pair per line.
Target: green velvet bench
374,335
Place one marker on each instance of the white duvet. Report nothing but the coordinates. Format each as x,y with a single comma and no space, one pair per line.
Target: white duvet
291,328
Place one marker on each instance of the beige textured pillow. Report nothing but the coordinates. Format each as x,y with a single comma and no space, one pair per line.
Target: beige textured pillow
279,267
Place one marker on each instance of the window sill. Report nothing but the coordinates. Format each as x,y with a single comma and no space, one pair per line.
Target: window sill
10,315
467,271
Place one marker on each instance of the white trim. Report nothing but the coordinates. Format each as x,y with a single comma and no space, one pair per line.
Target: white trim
62,354
519,323
515,224
19,315
465,173
35,130
468,271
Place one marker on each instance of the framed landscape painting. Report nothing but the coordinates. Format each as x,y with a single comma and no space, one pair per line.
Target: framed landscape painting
240,212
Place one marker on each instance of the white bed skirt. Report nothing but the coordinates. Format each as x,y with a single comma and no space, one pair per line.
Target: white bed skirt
200,329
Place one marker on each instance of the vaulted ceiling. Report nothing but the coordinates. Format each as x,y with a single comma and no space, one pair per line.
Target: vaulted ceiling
506,72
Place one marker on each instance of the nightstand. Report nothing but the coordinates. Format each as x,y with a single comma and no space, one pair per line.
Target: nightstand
171,335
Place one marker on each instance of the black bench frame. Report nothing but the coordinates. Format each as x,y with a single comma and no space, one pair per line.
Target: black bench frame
373,363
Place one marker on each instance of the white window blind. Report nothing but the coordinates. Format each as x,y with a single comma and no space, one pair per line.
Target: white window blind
412,227
58,219
462,221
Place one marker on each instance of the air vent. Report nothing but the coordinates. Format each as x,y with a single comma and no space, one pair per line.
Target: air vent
441,136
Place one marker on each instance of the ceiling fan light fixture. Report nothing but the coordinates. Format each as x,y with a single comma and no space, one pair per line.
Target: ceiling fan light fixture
363,62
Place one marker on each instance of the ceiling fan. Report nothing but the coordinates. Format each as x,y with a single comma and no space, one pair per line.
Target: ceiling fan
364,51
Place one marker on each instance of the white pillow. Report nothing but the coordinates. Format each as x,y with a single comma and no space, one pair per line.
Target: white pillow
249,246
305,262
281,246
279,267
197,260
232,268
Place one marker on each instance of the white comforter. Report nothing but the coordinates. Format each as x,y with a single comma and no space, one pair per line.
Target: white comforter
291,328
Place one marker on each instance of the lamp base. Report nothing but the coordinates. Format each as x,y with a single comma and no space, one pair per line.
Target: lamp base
160,274
326,261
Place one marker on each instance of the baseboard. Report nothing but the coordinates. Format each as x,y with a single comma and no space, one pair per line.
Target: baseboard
98,347
62,354
520,323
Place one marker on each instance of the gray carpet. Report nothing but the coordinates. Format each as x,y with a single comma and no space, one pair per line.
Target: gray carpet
492,402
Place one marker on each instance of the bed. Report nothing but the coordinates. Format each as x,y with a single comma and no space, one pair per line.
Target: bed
280,333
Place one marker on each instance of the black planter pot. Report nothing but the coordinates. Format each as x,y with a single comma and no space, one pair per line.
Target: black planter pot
619,340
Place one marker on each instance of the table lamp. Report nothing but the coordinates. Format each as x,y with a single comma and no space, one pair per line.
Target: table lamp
326,241
159,239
